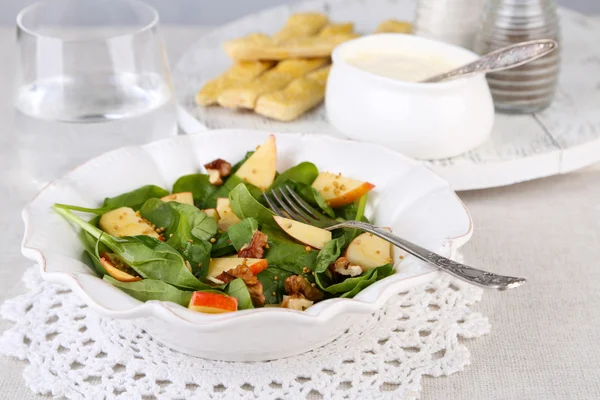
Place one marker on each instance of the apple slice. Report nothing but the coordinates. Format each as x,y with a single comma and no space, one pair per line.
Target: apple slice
125,222
212,212
338,190
369,251
115,272
183,197
226,215
219,265
212,303
260,168
307,234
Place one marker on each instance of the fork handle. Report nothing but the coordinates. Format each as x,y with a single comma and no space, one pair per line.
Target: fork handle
468,274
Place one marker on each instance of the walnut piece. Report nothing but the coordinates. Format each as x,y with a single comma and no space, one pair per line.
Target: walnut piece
343,267
217,169
297,284
256,247
255,287
296,302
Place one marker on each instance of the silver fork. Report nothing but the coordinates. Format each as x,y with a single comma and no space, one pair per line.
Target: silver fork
286,203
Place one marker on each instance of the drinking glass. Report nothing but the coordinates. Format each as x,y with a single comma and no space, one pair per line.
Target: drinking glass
92,76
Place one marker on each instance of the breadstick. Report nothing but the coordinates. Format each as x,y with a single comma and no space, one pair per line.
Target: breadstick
394,26
298,97
245,94
300,47
300,24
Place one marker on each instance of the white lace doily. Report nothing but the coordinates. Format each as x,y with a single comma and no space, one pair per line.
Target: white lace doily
75,353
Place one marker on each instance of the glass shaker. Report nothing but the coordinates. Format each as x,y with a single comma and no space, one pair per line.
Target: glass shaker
451,21
529,88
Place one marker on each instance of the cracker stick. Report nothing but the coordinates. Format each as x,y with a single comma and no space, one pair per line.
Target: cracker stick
300,47
336,29
394,26
245,94
298,97
301,24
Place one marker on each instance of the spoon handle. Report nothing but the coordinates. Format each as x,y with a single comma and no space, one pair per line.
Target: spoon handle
498,60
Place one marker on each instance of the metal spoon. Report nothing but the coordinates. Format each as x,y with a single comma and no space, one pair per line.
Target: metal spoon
498,60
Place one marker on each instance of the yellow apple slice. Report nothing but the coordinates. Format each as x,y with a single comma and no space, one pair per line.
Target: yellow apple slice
260,168
226,215
212,303
125,222
338,190
369,251
307,234
212,212
219,265
183,197
115,272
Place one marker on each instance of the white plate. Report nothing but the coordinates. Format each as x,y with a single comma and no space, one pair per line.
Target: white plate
561,139
410,198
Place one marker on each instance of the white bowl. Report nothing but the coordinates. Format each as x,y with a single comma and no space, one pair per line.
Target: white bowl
421,120
415,202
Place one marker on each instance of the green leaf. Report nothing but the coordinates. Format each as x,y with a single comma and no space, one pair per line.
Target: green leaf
350,287
244,205
328,254
182,222
148,256
95,264
356,212
198,184
198,255
305,172
314,198
238,289
134,199
222,247
223,191
151,289
272,285
241,233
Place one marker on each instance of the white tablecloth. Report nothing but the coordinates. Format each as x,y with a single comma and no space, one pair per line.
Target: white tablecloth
545,341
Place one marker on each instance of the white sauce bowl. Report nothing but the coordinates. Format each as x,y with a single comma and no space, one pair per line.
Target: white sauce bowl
420,120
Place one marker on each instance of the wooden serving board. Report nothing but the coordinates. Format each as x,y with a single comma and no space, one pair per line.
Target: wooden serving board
561,139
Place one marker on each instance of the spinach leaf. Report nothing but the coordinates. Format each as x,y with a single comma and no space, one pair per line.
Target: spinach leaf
151,289
356,211
135,198
350,287
222,247
182,222
328,254
314,198
224,190
283,252
274,289
198,255
95,264
305,172
241,233
238,289
244,205
198,184
148,256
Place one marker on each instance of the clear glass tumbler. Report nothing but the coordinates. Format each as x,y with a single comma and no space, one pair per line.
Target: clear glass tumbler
92,76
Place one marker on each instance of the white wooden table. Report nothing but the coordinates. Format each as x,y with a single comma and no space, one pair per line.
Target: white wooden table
545,341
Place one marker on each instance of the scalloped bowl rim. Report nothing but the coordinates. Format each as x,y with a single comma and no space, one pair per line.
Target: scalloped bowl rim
166,311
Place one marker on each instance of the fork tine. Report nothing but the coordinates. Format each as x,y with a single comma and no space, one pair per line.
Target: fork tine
287,208
297,205
303,204
273,204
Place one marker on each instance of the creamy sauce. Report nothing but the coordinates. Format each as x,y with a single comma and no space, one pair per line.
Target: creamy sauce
403,67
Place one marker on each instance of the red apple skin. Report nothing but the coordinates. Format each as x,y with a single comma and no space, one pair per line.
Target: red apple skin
258,267
212,303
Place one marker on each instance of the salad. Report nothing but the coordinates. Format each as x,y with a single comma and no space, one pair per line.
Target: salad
213,244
